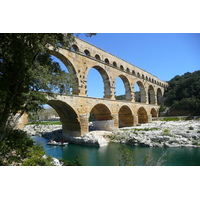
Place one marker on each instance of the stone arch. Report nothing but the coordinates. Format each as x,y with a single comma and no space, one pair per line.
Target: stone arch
125,117
154,112
121,67
141,95
107,61
114,64
106,81
86,52
127,70
126,86
133,72
159,96
101,118
97,57
71,69
151,95
74,48
100,112
68,116
142,115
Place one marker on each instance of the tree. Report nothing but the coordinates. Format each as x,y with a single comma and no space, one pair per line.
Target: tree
26,69
27,75
183,94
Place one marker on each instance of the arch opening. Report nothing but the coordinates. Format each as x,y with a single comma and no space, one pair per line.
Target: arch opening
123,89
68,117
67,66
125,117
159,96
151,95
101,118
139,92
86,53
154,112
142,115
98,84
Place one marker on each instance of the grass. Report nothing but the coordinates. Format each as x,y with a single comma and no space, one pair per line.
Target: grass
45,123
171,119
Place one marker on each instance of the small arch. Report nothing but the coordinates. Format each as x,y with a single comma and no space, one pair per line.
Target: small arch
121,67
133,72
107,61
128,70
147,78
74,48
142,115
97,57
86,53
138,75
125,117
154,112
142,76
114,64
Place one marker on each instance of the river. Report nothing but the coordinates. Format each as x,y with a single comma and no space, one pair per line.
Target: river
107,155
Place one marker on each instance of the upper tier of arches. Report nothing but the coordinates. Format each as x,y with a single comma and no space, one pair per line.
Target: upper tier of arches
92,52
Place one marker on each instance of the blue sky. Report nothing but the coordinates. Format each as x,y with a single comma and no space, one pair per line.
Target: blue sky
164,55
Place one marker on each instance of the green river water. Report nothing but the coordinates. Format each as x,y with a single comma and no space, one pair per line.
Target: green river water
107,155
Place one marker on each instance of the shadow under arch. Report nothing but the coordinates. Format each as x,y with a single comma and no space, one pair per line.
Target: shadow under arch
142,115
101,117
70,68
159,96
154,113
151,95
106,81
125,117
68,117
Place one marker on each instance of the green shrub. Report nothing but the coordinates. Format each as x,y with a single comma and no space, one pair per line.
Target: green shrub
191,128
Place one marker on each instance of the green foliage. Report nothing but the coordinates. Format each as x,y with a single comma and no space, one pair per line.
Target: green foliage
191,128
125,156
171,119
183,93
66,162
27,70
35,157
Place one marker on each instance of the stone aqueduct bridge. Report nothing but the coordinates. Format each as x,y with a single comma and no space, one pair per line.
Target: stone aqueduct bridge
74,110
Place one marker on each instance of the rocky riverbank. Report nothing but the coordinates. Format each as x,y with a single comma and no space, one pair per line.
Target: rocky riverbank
156,134
161,134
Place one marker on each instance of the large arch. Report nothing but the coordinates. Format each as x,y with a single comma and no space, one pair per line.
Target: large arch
125,117
71,69
159,96
141,95
142,115
68,117
106,81
101,118
127,87
151,95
